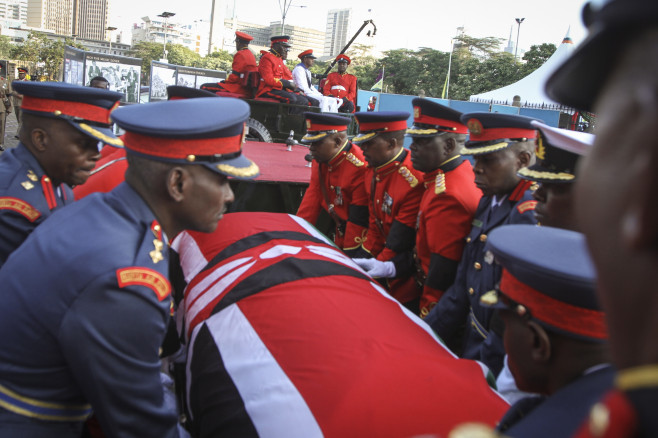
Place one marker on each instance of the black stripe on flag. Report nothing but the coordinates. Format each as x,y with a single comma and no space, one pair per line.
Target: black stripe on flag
215,402
258,239
287,270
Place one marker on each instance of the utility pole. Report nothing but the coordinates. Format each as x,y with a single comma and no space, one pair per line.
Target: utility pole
516,49
165,16
110,29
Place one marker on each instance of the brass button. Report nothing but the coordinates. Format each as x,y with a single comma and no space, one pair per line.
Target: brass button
468,240
424,312
378,201
483,237
331,187
599,419
471,291
46,179
477,266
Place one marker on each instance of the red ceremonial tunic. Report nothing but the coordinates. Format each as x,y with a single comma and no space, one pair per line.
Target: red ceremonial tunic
108,173
244,61
340,85
394,193
272,69
279,343
446,211
343,179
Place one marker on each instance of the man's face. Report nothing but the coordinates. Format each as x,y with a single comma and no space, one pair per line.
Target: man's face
378,151
342,66
555,205
495,172
308,61
69,155
282,50
427,153
21,75
518,339
325,149
208,199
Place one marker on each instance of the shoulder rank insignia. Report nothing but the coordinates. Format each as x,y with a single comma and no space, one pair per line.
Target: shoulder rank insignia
525,206
352,159
20,206
145,277
406,174
32,176
27,185
440,184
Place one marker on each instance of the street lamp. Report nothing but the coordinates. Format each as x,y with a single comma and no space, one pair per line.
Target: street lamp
284,11
516,49
110,29
446,88
166,16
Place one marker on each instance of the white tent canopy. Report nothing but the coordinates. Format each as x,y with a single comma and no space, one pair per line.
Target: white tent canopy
531,88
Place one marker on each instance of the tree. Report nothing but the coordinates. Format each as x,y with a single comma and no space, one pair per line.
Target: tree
537,56
5,46
180,55
147,52
39,49
218,60
482,48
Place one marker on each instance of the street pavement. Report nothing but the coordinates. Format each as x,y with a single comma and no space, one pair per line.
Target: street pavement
11,129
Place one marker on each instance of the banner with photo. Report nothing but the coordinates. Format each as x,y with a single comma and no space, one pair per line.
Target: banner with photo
164,75
74,65
122,72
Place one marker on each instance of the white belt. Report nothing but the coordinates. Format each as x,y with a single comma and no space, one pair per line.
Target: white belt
338,87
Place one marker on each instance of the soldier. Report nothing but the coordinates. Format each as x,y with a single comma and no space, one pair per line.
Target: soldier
614,73
111,168
17,98
449,200
86,299
555,333
5,105
558,152
342,85
502,144
61,128
275,78
288,338
244,62
394,192
337,180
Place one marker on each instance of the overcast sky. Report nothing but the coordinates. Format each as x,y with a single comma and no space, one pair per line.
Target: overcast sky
400,24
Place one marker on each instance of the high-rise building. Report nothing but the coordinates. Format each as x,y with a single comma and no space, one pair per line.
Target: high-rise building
301,38
90,19
156,29
337,31
52,15
14,10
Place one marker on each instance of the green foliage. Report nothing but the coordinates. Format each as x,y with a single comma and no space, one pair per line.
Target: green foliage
5,47
537,56
147,52
477,66
39,49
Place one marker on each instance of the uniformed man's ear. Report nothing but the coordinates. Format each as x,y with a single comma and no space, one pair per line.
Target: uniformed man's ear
541,345
39,138
524,158
178,182
450,145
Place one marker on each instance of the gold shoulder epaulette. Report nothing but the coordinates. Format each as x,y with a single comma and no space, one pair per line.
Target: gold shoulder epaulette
440,184
352,159
406,173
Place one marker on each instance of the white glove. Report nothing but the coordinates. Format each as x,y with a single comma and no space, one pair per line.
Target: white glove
375,268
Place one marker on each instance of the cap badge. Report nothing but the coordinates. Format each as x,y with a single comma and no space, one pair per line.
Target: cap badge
474,126
308,124
416,112
540,149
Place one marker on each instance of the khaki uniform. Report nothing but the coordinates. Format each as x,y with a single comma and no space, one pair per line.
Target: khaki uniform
5,92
